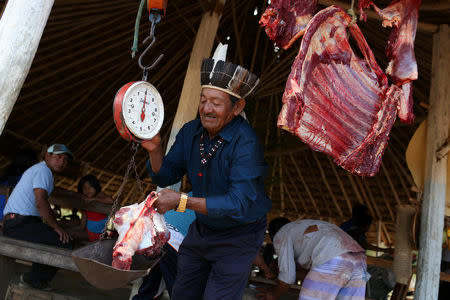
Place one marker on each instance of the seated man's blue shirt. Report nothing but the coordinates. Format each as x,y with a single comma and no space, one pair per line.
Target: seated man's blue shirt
233,180
22,200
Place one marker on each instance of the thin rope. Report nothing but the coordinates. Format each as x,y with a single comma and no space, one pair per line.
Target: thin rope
134,48
351,12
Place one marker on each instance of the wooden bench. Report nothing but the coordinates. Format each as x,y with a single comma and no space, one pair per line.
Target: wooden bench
12,249
388,264
80,204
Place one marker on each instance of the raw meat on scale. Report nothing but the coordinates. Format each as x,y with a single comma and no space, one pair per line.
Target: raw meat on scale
336,102
141,230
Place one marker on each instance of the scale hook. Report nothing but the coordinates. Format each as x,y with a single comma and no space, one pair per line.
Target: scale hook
146,68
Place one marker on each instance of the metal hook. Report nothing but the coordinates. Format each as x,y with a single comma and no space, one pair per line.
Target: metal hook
146,68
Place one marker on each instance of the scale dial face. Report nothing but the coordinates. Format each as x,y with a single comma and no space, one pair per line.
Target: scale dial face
143,110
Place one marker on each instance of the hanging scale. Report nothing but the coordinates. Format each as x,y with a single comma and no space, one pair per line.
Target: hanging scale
138,108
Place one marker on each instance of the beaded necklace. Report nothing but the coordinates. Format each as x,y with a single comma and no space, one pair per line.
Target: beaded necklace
204,158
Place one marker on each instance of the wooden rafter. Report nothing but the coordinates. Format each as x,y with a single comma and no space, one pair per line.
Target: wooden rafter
341,185
299,173
291,199
325,181
385,199
391,184
297,192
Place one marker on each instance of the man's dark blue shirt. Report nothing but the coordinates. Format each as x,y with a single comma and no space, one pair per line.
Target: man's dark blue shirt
233,180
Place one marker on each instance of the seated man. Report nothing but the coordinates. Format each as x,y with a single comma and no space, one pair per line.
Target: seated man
28,207
337,263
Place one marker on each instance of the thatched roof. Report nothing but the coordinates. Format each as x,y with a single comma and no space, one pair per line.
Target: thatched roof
84,58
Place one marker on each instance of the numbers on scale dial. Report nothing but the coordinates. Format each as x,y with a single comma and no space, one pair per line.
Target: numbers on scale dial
141,110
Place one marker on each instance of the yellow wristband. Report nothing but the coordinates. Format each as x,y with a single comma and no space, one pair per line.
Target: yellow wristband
182,205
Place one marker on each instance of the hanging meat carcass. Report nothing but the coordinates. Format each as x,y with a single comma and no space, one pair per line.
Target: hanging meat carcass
335,101
286,20
141,230
402,16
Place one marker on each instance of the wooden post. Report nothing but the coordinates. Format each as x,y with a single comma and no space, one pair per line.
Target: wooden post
378,236
190,94
433,206
21,27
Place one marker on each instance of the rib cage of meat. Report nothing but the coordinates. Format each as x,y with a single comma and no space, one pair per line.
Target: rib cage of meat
336,102
402,16
141,230
286,20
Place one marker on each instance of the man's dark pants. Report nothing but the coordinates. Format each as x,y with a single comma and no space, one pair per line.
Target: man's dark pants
216,264
32,229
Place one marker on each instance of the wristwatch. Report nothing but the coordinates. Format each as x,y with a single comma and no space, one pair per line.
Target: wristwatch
182,205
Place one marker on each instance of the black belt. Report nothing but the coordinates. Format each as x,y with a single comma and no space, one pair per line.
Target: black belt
12,216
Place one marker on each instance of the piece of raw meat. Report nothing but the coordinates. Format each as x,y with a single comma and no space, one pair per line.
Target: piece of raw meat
286,20
336,102
141,230
402,16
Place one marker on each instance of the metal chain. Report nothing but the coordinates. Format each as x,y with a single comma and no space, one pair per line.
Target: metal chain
138,179
115,206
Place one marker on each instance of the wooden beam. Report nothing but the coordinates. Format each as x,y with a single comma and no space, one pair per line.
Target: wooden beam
274,167
268,121
325,181
389,264
299,173
386,234
432,217
236,32
21,27
341,185
391,184
379,235
365,186
365,197
204,40
38,253
80,204
405,172
280,172
187,106
385,198
290,198
297,192
318,185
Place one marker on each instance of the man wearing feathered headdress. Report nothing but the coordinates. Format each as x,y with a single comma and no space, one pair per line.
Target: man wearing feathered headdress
224,161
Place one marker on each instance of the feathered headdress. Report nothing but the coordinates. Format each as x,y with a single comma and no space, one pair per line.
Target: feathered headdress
217,73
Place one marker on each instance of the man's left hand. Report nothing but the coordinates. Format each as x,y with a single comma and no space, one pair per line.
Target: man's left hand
167,199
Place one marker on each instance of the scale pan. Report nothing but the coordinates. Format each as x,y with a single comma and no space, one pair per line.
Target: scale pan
94,262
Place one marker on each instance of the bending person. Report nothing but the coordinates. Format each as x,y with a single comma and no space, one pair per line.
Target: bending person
336,263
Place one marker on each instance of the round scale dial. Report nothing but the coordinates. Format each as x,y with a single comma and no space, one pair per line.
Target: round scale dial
141,110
